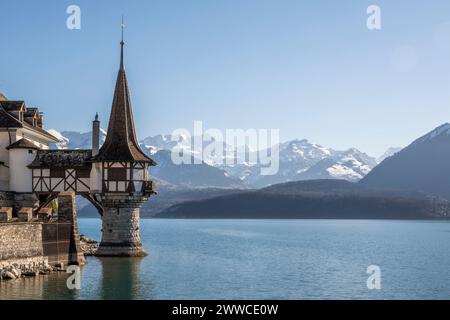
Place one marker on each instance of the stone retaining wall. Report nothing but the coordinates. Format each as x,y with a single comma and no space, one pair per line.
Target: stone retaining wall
20,240
31,243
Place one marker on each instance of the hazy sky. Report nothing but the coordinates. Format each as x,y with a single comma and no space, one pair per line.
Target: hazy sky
310,68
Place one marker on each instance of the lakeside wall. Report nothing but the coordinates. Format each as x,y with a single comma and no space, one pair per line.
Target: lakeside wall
36,243
30,244
21,244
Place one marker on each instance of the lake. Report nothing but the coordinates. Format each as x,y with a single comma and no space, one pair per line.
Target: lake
262,259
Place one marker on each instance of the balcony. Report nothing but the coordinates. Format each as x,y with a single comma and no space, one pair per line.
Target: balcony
149,187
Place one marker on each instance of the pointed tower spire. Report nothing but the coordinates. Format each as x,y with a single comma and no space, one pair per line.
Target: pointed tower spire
121,143
121,46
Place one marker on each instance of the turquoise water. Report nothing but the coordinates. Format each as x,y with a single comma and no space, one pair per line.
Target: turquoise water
262,259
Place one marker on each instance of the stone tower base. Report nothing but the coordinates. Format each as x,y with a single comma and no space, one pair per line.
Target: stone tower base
121,227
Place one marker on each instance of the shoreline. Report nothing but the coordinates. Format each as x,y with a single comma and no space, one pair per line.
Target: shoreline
16,271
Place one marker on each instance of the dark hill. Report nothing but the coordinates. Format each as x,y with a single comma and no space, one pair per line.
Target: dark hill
423,166
314,199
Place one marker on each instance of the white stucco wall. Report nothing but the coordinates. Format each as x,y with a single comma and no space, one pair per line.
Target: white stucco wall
5,141
20,174
96,177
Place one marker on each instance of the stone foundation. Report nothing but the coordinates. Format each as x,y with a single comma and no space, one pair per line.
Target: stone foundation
121,227
33,244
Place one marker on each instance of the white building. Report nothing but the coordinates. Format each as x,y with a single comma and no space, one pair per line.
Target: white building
21,135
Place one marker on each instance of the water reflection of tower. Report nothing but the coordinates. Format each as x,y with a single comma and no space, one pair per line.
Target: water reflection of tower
121,278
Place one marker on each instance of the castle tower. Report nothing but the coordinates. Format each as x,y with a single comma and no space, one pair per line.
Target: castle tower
125,186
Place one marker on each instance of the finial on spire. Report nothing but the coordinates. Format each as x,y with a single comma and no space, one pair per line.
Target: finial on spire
121,45
96,116
123,27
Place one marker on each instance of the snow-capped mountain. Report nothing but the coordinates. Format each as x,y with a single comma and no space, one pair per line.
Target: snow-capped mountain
350,165
192,175
157,143
303,160
303,151
75,140
298,159
164,142
389,153
295,156
441,132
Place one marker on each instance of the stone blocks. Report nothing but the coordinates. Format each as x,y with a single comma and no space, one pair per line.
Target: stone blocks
25,214
5,214
67,210
121,227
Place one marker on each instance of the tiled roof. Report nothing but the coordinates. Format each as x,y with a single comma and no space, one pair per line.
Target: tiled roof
9,121
121,143
61,158
23,144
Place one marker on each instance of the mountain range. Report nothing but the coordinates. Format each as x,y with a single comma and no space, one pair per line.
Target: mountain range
413,182
298,160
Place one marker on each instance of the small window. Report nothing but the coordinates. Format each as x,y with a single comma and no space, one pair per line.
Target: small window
83,173
117,174
30,151
57,172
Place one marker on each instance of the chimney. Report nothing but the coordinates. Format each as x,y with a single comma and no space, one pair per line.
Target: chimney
95,136
40,120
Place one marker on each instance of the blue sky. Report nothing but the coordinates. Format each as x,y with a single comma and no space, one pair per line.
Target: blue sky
310,68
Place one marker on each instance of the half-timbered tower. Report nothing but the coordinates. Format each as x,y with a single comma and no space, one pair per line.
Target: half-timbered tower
119,176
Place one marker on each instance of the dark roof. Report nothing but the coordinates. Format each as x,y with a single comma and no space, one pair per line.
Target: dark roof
31,112
121,143
9,121
10,105
61,158
23,144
